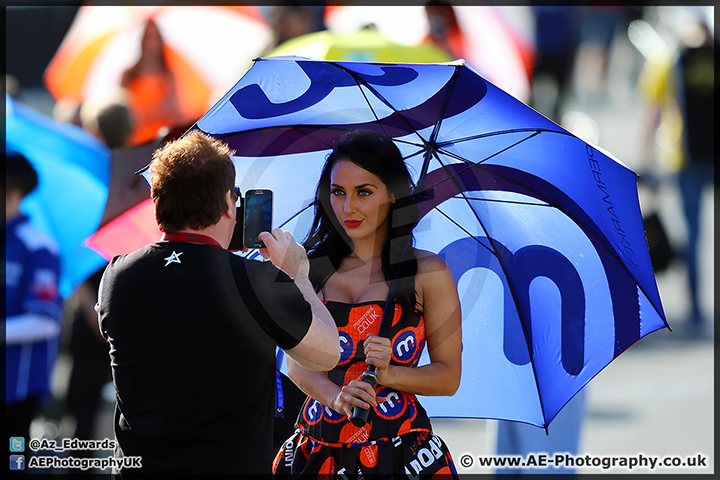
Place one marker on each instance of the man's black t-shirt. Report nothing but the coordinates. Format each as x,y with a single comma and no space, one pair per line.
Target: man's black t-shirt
192,331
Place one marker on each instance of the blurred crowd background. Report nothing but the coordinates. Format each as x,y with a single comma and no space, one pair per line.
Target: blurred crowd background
637,81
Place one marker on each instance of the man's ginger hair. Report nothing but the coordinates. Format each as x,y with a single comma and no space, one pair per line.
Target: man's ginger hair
190,178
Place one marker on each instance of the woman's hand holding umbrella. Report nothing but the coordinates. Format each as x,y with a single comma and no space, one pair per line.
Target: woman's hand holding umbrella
377,356
378,353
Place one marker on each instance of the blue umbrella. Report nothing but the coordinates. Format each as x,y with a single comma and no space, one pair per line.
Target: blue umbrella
73,173
541,229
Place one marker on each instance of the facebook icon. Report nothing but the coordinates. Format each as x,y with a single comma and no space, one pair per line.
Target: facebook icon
17,462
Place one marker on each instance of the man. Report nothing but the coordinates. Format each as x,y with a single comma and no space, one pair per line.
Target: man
32,303
680,92
192,327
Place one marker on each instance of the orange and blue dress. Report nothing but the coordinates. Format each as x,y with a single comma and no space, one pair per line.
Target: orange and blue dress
397,438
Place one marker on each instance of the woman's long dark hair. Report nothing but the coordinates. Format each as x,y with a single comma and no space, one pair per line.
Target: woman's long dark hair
328,244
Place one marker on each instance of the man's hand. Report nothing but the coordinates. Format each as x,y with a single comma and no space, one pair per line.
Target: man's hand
355,394
285,253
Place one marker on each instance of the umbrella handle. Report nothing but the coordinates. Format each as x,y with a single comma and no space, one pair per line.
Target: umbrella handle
360,415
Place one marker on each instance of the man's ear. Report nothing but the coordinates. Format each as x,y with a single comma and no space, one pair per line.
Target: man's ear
230,210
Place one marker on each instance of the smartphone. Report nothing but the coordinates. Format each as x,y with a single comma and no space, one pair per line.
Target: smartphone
258,216
236,243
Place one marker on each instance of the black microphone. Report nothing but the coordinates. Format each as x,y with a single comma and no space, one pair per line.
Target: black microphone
360,415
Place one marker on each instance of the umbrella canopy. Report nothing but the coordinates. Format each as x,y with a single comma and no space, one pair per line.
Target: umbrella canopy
127,189
128,221
493,39
365,44
541,230
127,232
73,173
103,41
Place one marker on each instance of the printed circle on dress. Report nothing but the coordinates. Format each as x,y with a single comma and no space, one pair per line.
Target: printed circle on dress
410,415
348,348
332,416
369,455
394,405
313,411
406,345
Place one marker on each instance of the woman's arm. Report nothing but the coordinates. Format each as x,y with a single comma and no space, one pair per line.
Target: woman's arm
320,347
318,386
441,306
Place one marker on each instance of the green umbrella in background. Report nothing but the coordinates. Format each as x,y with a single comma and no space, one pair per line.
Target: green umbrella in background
363,45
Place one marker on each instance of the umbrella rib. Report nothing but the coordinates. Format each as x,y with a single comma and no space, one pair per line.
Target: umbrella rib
377,119
299,129
505,132
496,200
472,164
410,168
494,252
470,235
221,136
429,153
437,157
361,82
412,155
512,291
406,142
549,204
602,241
298,213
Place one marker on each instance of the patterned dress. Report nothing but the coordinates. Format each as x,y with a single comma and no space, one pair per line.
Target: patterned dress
397,439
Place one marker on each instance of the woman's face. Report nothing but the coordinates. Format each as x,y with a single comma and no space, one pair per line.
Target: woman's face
359,199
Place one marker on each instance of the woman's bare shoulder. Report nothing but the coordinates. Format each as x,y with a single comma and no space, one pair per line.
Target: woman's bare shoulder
429,262
435,285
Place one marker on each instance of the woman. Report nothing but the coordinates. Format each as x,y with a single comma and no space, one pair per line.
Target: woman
364,218
152,89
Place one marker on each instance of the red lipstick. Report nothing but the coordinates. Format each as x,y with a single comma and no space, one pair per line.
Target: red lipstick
353,223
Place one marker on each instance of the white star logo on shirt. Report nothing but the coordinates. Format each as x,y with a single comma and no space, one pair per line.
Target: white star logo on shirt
174,258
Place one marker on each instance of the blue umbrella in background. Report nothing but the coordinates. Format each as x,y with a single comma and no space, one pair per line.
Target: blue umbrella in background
73,174
542,231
